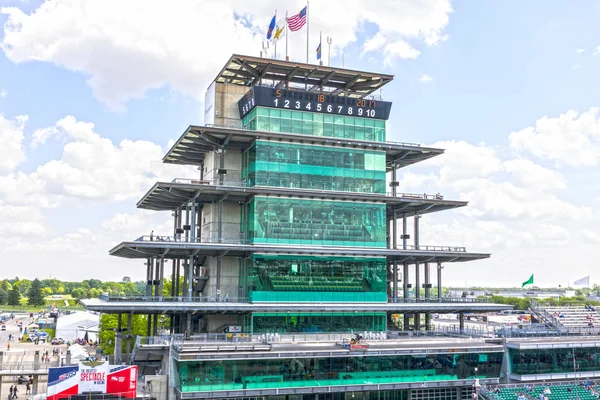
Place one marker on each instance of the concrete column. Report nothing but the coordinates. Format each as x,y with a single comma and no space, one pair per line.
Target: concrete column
157,268
1,362
461,321
148,277
394,179
221,165
190,278
118,339
220,220
193,221
34,385
388,231
155,325
395,281
218,283
36,360
188,329
439,280
173,278
68,357
128,342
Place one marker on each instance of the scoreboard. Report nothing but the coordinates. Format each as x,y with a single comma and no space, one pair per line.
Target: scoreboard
260,96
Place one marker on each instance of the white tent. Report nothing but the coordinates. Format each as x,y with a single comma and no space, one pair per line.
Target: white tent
78,353
76,325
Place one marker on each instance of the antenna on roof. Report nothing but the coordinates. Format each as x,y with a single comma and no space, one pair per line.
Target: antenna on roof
328,51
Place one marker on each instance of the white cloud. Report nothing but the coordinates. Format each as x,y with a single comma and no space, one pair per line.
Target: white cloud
533,176
597,51
3,93
425,78
591,237
127,48
571,139
576,66
11,139
580,51
91,168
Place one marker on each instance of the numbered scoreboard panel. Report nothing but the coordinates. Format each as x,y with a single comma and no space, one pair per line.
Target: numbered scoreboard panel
312,102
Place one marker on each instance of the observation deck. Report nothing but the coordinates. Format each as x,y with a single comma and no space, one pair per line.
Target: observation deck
197,141
171,247
236,305
167,196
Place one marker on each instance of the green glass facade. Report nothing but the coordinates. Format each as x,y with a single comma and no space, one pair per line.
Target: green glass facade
196,376
314,222
308,123
295,278
314,167
554,361
316,322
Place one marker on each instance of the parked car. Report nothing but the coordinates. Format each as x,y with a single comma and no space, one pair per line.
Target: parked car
3,327
57,341
21,380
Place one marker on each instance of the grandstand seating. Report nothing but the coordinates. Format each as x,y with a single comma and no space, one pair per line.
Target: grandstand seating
558,392
315,283
573,316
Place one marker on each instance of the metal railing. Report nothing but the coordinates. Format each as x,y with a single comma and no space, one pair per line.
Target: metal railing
27,366
438,300
228,299
198,340
182,239
245,184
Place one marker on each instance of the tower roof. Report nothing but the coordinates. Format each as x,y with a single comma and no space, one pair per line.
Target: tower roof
250,71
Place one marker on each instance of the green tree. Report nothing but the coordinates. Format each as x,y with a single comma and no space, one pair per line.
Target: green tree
35,296
23,285
78,293
14,296
108,324
3,296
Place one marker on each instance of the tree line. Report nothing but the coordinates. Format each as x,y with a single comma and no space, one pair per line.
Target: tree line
17,291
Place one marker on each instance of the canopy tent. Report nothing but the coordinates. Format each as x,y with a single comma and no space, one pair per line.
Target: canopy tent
77,325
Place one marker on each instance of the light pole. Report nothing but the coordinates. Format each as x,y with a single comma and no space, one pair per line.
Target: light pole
476,385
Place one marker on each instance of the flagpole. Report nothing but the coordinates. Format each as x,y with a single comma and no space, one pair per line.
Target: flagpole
286,37
275,55
307,31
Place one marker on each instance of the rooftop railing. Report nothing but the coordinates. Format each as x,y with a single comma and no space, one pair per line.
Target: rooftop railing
182,239
244,184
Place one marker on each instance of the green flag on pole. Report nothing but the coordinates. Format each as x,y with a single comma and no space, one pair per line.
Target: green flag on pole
528,281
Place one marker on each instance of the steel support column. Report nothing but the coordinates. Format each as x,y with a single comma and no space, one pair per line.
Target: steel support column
404,233
405,292
439,281
193,222
427,294
461,321
417,275
128,340
118,339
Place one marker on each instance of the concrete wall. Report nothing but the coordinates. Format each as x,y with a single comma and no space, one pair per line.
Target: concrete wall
230,225
233,165
226,112
229,277
216,323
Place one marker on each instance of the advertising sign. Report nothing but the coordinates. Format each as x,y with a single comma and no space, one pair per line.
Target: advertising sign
122,380
92,376
62,382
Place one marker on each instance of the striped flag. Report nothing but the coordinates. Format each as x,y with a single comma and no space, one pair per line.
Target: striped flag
296,22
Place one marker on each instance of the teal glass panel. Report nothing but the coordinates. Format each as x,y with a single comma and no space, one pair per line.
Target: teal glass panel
317,222
316,279
318,322
316,124
554,361
315,167
213,375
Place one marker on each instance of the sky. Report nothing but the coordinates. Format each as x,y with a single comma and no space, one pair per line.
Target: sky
94,92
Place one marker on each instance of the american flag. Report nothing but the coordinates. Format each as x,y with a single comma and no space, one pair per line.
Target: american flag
296,22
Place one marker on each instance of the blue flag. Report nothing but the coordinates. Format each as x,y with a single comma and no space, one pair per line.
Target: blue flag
271,27
319,51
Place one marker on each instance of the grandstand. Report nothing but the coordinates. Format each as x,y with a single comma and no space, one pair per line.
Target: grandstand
559,391
573,316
